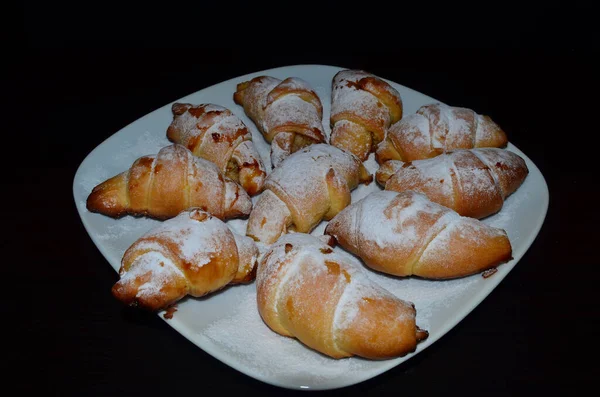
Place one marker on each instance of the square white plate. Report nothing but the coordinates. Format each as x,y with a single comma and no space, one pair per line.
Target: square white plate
227,324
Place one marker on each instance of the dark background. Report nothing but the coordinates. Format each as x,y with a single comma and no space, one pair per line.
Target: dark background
81,74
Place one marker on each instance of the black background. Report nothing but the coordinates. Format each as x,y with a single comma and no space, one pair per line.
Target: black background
80,75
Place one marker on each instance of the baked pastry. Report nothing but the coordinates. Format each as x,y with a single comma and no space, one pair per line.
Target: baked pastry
435,129
310,185
472,182
363,107
323,297
406,234
161,186
288,113
214,133
193,254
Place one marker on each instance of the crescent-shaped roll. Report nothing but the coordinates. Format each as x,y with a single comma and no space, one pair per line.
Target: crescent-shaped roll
288,113
193,254
310,185
323,297
162,185
435,129
472,182
406,234
363,106
216,134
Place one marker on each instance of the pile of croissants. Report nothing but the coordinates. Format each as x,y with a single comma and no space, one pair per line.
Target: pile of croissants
442,170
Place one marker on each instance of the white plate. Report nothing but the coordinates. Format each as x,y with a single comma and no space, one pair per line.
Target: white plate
227,324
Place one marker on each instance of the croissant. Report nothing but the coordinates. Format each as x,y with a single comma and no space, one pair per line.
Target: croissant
363,106
161,186
472,182
193,254
288,113
216,134
435,129
310,185
323,297
406,234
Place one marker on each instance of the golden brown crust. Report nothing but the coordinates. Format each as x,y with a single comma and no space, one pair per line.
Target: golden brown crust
406,234
311,185
465,255
288,113
472,182
163,185
435,129
110,197
388,338
322,297
214,133
191,254
363,107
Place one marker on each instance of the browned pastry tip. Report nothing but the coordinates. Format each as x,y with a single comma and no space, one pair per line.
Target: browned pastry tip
161,186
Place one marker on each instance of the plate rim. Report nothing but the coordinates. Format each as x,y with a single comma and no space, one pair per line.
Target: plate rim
461,313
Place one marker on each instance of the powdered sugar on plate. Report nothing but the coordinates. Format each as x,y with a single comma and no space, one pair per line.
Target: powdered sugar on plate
145,144
226,324
268,353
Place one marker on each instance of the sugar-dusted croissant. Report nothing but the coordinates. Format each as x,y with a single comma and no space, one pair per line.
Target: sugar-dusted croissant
363,106
310,185
472,182
216,134
406,234
161,186
322,297
288,113
435,129
193,254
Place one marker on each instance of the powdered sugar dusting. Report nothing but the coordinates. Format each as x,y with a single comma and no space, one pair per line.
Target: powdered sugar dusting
393,225
153,266
347,98
225,123
100,175
117,230
412,130
147,143
360,287
473,179
446,128
267,353
195,240
303,171
430,297
293,111
254,346
506,216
